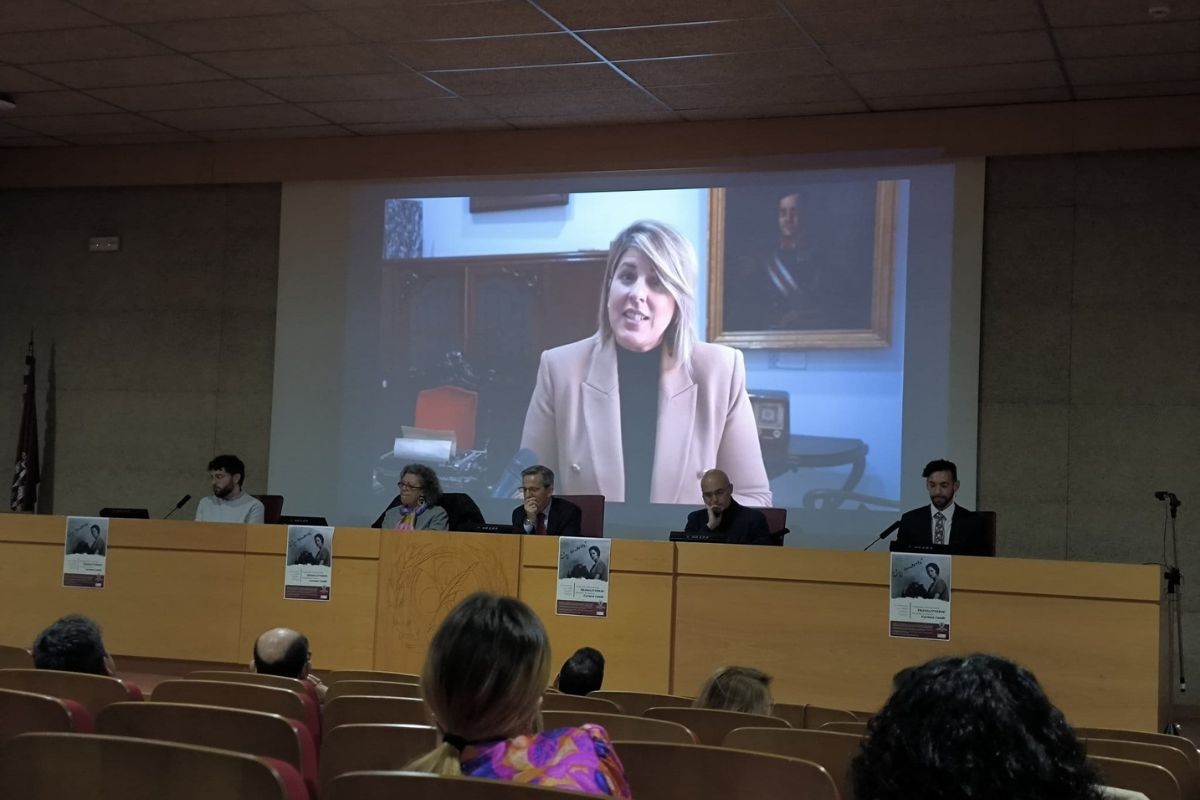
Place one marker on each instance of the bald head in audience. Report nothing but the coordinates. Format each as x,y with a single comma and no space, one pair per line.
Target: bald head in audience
284,652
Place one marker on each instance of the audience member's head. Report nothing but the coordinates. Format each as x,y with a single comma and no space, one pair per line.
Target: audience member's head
484,675
282,651
742,689
976,726
73,644
582,673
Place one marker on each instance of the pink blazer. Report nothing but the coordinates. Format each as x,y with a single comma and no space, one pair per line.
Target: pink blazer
704,422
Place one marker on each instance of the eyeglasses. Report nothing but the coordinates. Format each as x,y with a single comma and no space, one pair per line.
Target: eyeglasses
416,487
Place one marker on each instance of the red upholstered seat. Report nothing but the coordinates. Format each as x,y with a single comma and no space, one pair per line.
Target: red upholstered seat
93,692
284,702
449,408
28,712
591,507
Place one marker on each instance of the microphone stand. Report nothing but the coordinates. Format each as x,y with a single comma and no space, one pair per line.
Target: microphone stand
1174,578
886,533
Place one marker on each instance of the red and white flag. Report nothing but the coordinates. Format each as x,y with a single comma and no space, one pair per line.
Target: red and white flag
26,474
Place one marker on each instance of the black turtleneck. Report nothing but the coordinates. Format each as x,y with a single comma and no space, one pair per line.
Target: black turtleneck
638,375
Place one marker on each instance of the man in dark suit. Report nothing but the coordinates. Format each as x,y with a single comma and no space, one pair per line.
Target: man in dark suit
725,516
542,513
943,522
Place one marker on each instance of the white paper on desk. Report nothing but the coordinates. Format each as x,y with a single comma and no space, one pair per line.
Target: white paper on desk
85,552
308,563
920,596
582,586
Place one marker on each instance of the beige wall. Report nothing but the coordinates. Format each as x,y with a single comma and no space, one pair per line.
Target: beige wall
162,352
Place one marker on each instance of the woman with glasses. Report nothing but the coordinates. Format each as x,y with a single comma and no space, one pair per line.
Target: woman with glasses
419,509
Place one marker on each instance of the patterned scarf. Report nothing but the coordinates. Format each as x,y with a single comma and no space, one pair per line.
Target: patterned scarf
408,517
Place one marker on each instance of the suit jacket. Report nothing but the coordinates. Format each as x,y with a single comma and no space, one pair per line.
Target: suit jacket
704,421
966,533
740,525
566,518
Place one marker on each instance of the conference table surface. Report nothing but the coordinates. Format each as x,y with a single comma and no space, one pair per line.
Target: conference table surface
816,620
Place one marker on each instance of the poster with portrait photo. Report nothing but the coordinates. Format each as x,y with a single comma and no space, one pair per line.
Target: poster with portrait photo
308,563
85,552
582,589
919,606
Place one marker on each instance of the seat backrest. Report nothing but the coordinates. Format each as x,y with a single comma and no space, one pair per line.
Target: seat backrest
374,689
64,765
792,712
15,657
833,751
272,507
556,701
93,692
776,520
635,703
1156,782
257,679
989,532
254,732
449,408
658,771
816,716
591,511
423,786
711,725
270,699
621,726
27,712
369,675
1170,759
358,709
856,728
363,748
462,511
1180,743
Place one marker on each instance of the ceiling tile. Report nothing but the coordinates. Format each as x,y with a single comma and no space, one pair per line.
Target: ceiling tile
44,15
91,123
163,137
76,43
332,5
526,80
869,20
551,104
591,120
13,79
583,14
31,141
214,119
1126,40
689,70
40,104
296,62
130,11
1065,13
989,78
820,89
1152,89
886,55
694,39
9,130
359,112
383,128
127,71
389,86
300,132
1134,69
411,22
1014,96
777,110
494,51
209,94
247,33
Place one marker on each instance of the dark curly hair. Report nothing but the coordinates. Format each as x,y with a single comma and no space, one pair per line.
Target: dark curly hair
431,487
71,644
971,728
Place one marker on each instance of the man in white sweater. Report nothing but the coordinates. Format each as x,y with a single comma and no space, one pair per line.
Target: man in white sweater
228,502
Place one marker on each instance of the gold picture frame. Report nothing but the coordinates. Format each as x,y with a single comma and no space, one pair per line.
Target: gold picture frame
878,333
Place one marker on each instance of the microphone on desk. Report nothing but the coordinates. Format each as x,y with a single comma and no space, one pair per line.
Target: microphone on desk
886,533
178,505
510,479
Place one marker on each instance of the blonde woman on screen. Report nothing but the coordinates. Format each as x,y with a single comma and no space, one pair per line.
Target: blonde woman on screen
639,410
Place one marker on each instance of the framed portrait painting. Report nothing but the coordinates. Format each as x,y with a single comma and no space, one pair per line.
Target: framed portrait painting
802,267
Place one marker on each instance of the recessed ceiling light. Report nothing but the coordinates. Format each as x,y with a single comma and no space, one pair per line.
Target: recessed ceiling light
1159,10
6,102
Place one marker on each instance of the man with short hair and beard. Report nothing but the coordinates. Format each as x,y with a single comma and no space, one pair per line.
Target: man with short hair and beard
943,522
228,502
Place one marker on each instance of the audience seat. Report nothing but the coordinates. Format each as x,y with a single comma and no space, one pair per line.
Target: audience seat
659,771
1156,782
356,709
423,786
93,692
257,679
374,689
27,712
1180,743
856,728
833,751
369,675
711,725
792,712
622,726
361,748
557,701
256,733
54,766
15,657
816,716
283,702
1170,759
636,703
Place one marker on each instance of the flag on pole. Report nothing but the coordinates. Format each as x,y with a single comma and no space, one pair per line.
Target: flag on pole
25,471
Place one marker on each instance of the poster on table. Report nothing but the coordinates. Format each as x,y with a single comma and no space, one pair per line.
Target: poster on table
582,589
85,552
920,596
308,570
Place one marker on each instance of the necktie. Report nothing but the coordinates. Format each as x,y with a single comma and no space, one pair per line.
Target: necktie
540,526
939,528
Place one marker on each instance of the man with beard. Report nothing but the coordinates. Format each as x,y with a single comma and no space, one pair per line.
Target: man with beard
943,522
228,502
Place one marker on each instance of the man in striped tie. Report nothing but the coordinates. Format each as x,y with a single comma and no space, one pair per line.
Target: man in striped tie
944,524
